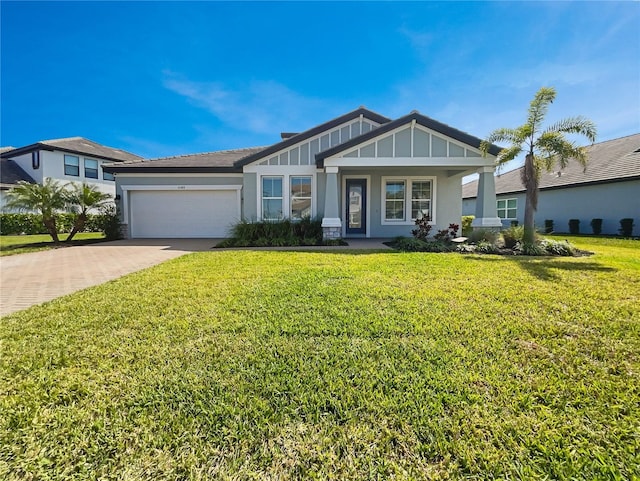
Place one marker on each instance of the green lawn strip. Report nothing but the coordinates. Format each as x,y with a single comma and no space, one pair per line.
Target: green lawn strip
20,244
296,365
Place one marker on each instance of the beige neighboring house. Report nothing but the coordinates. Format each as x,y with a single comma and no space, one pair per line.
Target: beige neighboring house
609,189
72,159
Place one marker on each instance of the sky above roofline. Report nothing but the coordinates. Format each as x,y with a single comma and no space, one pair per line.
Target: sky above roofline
179,78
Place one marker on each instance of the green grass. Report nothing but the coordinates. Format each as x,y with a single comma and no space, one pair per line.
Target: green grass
20,244
299,365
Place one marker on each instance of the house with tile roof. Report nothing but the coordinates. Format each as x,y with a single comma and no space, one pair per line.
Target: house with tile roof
72,159
608,189
363,174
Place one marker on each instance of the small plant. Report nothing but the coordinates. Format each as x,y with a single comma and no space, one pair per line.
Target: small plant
626,227
596,226
557,248
423,228
574,226
548,226
409,244
512,236
466,224
488,235
486,247
532,250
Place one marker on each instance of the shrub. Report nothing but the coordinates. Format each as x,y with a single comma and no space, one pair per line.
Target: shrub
274,233
512,236
626,227
514,223
596,226
487,235
548,226
486,247
557,248
532,250
466,224
574,226
409,244
423,228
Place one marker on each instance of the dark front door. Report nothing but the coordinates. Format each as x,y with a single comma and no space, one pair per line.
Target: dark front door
356,206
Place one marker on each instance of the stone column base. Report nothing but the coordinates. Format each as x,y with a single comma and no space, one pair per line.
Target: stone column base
124,231
330,233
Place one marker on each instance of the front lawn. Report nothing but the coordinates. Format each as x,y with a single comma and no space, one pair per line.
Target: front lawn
332,365
20,244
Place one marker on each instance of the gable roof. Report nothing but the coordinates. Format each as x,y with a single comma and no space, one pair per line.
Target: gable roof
75,145
423,120
221,161
294,139
609,161
11,173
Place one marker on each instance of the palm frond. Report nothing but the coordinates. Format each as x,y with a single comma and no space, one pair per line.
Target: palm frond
556,149
511,136
508,154
539,106
575,125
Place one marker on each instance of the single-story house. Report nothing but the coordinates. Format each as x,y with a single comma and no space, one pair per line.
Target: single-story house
608,189
72,159
363,174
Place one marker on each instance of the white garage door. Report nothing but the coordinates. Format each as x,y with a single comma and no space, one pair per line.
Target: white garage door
183,213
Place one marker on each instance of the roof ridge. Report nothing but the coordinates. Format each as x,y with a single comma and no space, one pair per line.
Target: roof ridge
153,159
77,137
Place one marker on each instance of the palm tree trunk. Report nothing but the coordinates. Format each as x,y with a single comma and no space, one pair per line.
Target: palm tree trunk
530,180
78,225
50,224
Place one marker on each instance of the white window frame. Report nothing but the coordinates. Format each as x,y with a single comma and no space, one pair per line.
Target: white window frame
286,172
77,166
97,169
506,209
408,180
310,198
281,198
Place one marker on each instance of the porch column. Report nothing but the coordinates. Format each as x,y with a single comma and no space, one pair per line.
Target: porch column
331,223
486,210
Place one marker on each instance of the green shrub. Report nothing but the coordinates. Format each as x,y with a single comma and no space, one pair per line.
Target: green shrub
29,224
466,224
556,248
274,233
486,247
574,226
596,226
512,236
487,235
532,250
409,244
548,226
626,227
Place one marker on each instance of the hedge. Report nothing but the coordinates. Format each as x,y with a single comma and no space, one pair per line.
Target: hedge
16,224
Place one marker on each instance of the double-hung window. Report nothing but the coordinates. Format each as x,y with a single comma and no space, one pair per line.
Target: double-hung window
272,198
91,168
108,176
300,197
406,199
72,165
507,208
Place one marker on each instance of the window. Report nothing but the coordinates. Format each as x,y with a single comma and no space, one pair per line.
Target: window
300,197
507,208
35,160
91,168
407,199
272,198
107,176
71,165
394,200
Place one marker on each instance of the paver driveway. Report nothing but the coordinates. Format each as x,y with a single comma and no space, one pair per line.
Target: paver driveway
30,279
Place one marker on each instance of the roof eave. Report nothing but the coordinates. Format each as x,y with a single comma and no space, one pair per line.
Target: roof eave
135,169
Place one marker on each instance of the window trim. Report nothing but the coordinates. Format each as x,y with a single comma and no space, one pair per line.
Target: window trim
291,197
111,177
97,169
77,166
292,171
408,180
263,198
506,209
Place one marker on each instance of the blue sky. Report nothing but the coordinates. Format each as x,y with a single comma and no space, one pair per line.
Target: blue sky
165,78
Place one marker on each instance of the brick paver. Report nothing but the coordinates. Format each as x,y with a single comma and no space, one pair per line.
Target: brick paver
37,277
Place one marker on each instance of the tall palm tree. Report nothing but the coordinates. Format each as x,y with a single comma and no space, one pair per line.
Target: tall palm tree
544,148
82,198
46,199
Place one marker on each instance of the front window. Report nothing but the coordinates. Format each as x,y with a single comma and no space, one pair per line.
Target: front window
394,200
507,208
91,168
272,198
300,197
71,165
420,199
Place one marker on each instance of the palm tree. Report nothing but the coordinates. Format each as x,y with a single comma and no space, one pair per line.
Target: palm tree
45,198
82,198
544,149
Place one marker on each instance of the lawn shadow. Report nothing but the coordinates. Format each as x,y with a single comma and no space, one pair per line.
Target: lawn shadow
543,267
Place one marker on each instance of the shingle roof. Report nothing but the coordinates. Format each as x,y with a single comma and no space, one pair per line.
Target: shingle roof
420,119
610,161
11,174
76,145
221,161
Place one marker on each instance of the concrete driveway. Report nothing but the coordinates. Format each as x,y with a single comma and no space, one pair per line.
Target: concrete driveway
37,277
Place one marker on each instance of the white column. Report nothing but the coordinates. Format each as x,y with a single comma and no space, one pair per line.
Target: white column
331,223
486,210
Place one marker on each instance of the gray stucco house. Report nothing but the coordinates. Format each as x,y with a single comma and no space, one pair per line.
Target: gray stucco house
363,174
609,189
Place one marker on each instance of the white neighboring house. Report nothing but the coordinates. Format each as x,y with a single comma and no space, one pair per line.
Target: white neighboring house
72,159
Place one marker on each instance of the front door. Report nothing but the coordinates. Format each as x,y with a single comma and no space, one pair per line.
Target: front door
356,201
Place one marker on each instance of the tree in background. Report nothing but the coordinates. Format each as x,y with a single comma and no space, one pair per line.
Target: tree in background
544,147
82,198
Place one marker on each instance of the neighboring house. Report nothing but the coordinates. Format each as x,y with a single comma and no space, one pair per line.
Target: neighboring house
71,159
608,189
363,174
10,175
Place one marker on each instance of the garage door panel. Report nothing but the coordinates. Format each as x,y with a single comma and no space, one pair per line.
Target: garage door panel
201,213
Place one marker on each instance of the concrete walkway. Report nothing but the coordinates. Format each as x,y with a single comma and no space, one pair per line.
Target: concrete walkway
30,279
